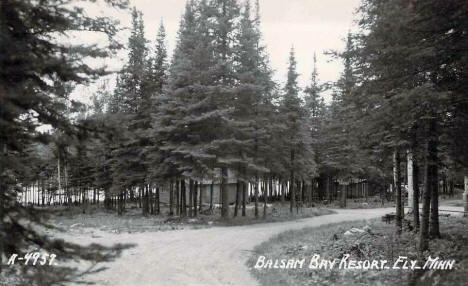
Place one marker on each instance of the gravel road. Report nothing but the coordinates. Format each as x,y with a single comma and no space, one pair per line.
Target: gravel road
204,257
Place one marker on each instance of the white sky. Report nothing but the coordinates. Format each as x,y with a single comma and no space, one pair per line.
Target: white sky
310,25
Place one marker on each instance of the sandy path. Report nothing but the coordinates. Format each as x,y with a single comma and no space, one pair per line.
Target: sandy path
214,256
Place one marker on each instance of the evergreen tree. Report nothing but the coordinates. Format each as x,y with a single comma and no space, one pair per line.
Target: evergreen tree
300,162
155,84
187,119
410,92
342,156
252,104
133,74
157,70
33,66
314,103
316,111
129,164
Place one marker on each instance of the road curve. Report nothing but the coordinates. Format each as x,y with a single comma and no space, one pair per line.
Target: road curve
204,257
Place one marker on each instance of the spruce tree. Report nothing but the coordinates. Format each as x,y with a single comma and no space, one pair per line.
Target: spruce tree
316,113
155,83
412,91
187,116
156,72
129,164
253,103
33,66
297,142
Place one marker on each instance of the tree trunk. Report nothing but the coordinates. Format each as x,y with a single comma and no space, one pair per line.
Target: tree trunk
211,195
42,192
343,196
428,185
140,195
465,195
452,188
3,185
183,198
424,234
303,192
244,198
433,158
171,198
177,198
144,205
190,211
283,199
256,196
397,186
224,194
119,204
292,192
238,191
265,198
444,184
410,175
67,191
147,199
195,196
200,202
123,201
416,195
151,200
329,196
366,190
158,201
106,199
297,193
310,193
58,174
270,188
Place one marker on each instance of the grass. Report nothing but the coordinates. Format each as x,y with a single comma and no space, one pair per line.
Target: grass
381,242
456,203
376,202
362,203
275,213
73,218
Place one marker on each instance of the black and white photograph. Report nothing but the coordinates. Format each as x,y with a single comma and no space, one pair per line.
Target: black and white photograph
233,142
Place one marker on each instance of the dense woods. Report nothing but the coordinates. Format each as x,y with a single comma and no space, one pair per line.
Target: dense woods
175,131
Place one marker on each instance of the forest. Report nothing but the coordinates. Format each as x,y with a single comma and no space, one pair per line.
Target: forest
209,131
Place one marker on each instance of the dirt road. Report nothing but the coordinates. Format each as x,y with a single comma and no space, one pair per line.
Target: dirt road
214,256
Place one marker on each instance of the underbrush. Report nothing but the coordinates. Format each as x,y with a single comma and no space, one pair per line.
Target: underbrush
374,240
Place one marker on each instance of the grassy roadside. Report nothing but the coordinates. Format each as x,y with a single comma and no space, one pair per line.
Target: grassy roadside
376,202
275,213
132,221
378,242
